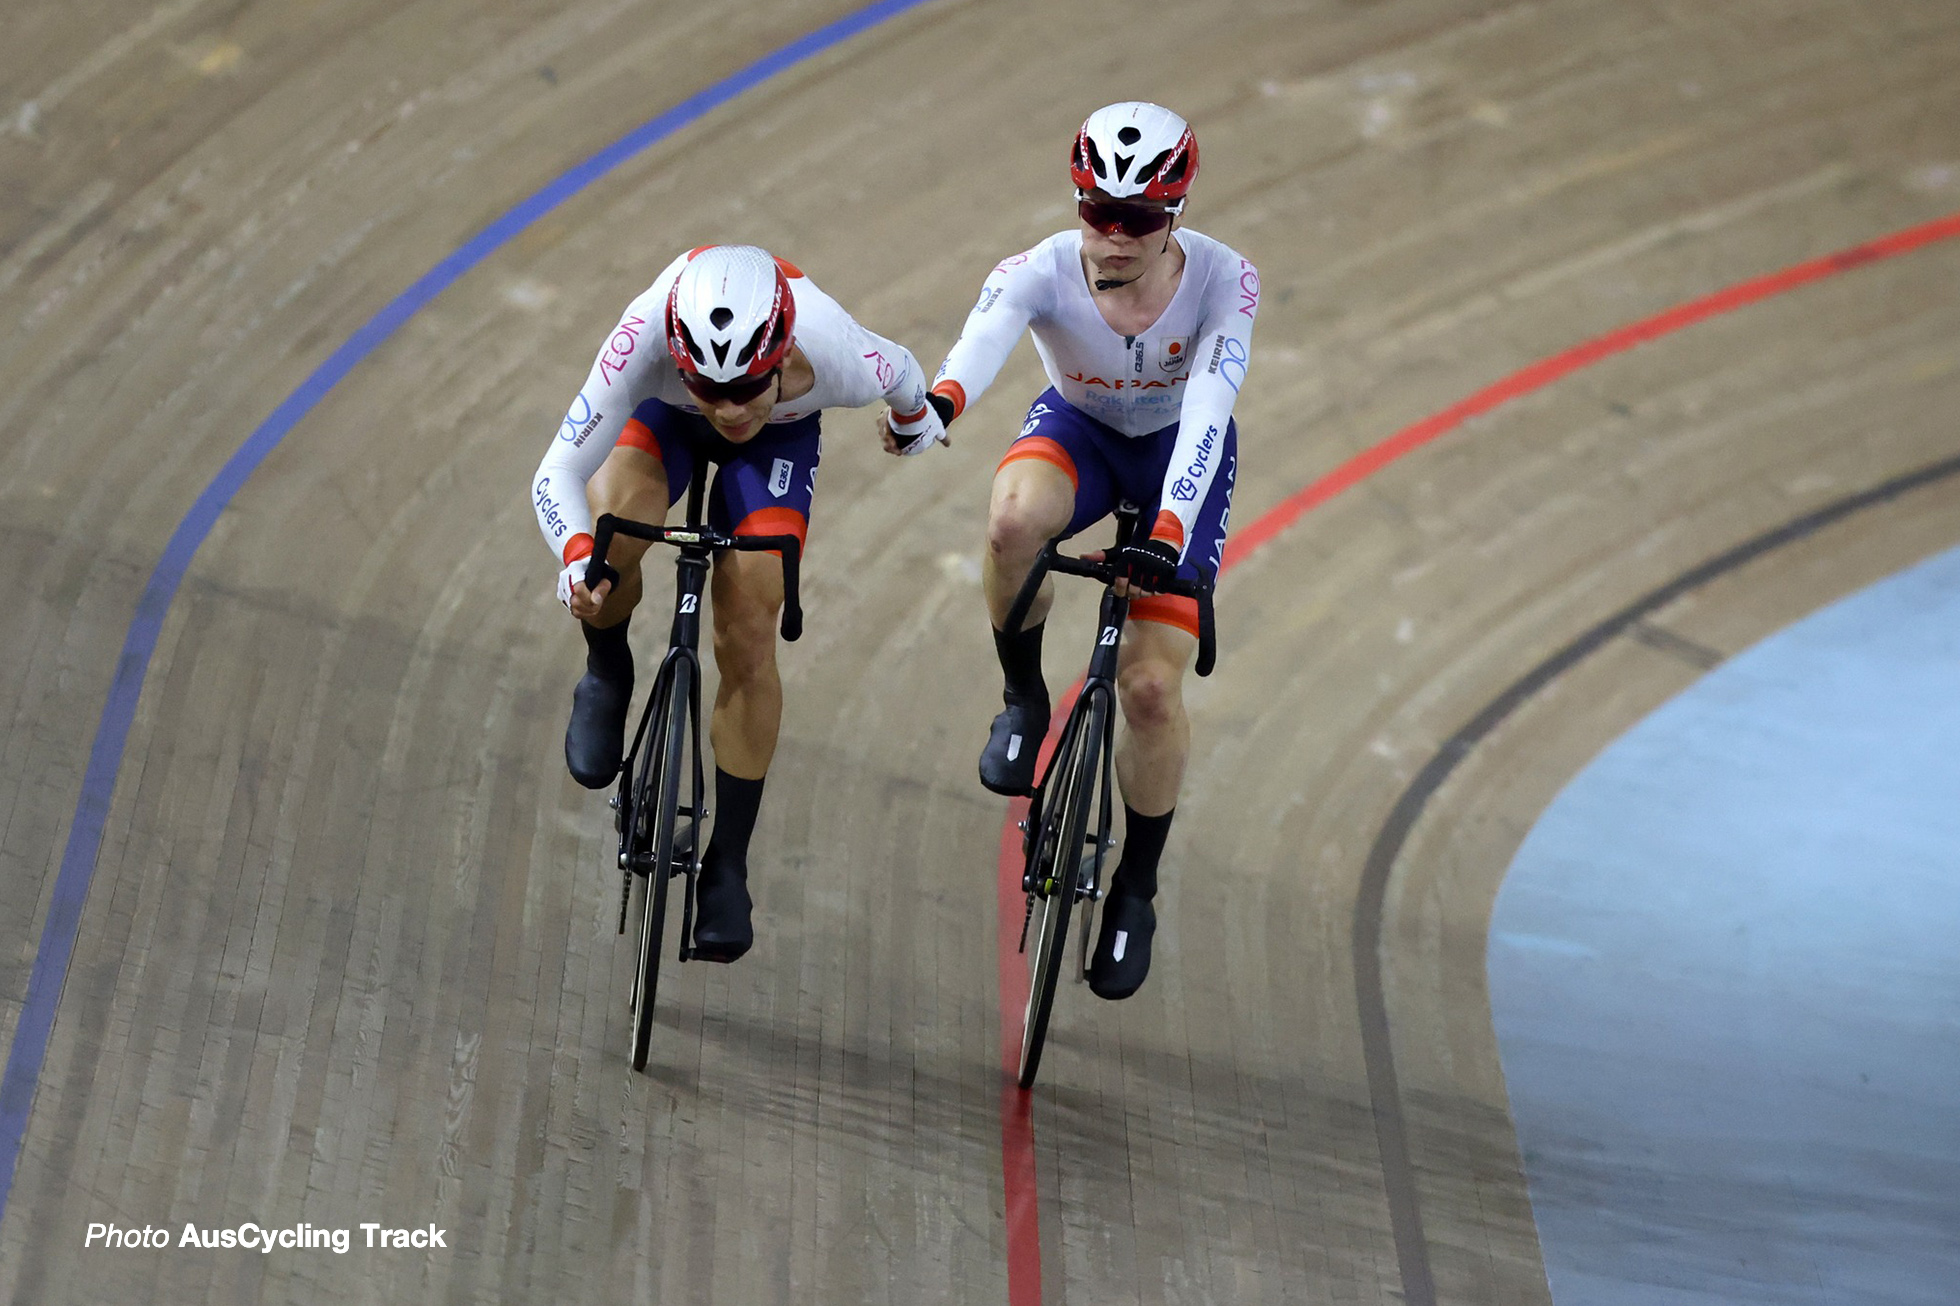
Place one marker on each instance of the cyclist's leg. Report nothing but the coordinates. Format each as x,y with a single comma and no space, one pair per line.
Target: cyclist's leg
633,482
1157,733
764,487
1161,641
1150,756
1052,482
1159,646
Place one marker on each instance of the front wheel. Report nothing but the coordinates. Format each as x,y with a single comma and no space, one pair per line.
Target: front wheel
657,810
1055,866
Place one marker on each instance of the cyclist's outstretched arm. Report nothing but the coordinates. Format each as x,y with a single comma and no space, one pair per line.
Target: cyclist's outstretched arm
1009,301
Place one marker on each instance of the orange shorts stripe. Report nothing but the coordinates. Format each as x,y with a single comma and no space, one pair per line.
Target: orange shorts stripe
1167,610
774,521
1042,449
638,435
954,391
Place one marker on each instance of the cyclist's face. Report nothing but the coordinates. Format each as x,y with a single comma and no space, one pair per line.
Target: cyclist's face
739,422
1107,242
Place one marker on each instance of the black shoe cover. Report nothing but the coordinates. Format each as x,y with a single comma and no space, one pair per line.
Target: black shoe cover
1007,764
722,931
1122,956
596,737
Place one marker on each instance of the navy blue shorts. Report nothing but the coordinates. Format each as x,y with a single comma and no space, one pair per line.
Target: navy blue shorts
1107,467
762,486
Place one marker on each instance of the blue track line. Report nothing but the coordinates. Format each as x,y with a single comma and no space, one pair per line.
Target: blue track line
29,1051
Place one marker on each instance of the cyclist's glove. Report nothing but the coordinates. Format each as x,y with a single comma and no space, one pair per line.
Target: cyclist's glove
574,573
921,433
1151,563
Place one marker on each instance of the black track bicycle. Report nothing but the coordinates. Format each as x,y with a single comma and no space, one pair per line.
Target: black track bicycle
657,829
1067,830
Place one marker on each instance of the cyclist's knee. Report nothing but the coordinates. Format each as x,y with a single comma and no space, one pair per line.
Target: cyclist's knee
747,603
1016,529
745,642
1152,691
1031,505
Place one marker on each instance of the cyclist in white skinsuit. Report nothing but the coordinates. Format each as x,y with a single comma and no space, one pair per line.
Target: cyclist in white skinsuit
1145,338
729,356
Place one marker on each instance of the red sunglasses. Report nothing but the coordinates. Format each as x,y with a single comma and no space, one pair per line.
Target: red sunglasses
745,391
1110,217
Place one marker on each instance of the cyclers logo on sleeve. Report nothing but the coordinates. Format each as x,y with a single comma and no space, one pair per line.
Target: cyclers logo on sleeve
580,422
1185,487
549,512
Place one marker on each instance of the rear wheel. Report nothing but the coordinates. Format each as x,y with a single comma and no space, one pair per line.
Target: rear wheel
1057,847
657,810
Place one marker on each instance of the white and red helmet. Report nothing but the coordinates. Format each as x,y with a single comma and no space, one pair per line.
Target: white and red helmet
1133,151
730,315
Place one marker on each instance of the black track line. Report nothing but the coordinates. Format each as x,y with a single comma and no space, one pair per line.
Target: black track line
1391,1133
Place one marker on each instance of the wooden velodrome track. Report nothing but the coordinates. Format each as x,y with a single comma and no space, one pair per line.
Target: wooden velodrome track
347,953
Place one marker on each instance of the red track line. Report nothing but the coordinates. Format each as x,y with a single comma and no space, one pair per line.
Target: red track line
1016,1115
1547,370
1016,1120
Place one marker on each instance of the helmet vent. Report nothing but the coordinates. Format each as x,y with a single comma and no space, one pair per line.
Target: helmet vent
721,350
1123,162
1157,165
687,339
749,350
1129,136
721,317
1096,164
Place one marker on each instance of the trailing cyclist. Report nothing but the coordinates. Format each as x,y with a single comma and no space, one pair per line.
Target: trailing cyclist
754,351
1145,329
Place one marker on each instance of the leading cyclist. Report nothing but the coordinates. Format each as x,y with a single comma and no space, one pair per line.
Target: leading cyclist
1144,329
754,351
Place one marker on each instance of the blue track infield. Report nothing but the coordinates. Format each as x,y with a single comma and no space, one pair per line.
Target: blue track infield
1725,977
57,945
